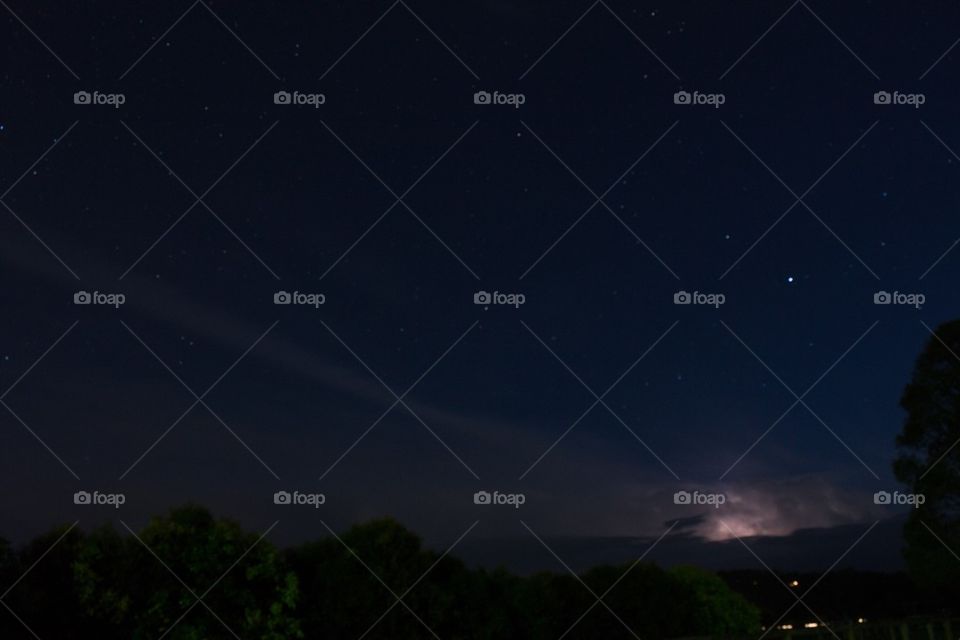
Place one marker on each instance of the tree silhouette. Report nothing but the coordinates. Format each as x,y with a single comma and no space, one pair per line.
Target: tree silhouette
110,584
134,584
929,461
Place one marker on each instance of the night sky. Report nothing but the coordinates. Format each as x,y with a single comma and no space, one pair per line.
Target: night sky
399,198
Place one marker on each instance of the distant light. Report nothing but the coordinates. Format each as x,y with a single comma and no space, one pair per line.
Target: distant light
810,625
794,583
786,627
861,620
789,278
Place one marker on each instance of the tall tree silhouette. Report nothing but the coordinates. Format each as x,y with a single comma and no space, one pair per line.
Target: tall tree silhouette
929,461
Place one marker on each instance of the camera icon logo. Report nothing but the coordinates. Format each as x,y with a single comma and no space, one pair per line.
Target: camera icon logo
682,497
82,297
482,97
882,297
882,97
682,97
81,497
282,297
482,497
482,297
881,497
282,497
82,97
682,297
282,97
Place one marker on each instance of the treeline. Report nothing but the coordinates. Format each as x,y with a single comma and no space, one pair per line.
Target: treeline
191,576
